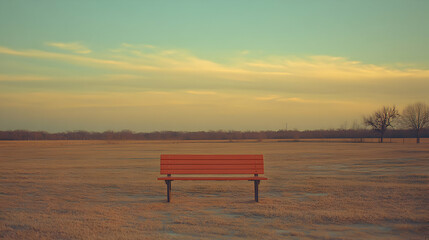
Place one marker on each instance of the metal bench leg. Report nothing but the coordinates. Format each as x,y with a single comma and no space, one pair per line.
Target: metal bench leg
168,182
256,183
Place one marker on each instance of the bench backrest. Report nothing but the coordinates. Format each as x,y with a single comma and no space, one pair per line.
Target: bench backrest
212,164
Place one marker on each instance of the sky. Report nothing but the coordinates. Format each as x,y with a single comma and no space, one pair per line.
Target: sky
208,65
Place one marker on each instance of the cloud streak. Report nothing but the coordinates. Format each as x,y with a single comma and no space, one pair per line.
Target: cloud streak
333,68
24,78
148,58
201,92
78,60
75,47
145,67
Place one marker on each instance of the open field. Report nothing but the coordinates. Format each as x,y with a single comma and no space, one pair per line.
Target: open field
316,190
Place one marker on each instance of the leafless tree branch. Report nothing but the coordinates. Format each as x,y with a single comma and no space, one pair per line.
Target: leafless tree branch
416,117
381,120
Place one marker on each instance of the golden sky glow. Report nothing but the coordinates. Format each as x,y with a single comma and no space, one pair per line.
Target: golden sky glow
144,84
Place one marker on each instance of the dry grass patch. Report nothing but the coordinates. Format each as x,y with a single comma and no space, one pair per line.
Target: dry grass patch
316,190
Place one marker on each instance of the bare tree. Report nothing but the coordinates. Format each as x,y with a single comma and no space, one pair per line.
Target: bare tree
416,117
381,120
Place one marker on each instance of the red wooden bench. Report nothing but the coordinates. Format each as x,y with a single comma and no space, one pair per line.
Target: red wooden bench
212,164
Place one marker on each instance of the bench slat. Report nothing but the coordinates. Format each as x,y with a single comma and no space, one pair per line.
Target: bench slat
213,178
210,167
213,171
210,157
210,162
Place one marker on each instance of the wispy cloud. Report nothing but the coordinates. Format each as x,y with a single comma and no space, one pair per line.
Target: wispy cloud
201,92
120,77
281,79
16,78
278,98
79,60
144,58
331,68
75,47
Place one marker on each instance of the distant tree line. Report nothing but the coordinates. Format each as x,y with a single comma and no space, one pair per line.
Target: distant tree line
384,123
209,135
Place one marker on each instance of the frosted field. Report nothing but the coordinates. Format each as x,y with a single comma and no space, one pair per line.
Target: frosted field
316,190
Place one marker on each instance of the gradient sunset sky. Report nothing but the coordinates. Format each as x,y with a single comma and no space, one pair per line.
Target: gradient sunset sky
208,65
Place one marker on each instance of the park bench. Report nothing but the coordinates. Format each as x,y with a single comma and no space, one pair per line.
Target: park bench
212,164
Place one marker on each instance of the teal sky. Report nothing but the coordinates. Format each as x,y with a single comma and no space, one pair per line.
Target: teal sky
242,65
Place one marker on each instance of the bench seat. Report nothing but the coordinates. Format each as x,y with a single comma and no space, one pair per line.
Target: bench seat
203,166
214,178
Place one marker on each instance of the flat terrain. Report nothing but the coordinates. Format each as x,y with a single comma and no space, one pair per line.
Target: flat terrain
316,190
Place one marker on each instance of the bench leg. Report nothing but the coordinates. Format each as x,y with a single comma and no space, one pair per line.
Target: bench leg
256,183
168,182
